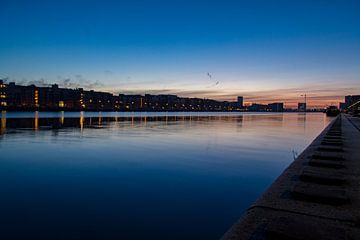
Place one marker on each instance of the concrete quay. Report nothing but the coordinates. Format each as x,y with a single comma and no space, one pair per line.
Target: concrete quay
316,197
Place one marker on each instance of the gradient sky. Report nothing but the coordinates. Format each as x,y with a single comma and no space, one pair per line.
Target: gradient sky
264,51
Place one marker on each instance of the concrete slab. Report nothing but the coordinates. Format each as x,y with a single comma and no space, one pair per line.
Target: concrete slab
319,193
327,163
331,148
337,156
290,228
332,140
333,131
331,143
323,176
333,137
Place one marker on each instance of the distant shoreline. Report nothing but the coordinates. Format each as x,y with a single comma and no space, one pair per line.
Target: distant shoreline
150,111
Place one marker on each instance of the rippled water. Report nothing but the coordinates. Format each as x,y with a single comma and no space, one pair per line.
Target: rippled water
138,175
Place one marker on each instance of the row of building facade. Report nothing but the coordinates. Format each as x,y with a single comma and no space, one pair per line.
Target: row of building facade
18,97
54,98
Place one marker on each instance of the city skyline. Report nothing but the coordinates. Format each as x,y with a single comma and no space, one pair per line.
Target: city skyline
55,98
266,52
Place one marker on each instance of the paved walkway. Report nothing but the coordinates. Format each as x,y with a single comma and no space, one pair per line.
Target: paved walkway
316,197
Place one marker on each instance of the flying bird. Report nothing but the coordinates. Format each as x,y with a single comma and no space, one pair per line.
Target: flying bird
212,85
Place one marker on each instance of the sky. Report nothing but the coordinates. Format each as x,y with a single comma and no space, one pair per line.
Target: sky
266,51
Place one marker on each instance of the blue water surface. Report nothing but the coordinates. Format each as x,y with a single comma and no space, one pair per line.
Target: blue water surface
140,175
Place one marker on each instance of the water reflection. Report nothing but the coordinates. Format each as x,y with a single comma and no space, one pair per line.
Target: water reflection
140,176
81,122
3,122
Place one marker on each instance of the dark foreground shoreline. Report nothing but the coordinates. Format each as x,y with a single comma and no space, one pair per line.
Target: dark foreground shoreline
316,197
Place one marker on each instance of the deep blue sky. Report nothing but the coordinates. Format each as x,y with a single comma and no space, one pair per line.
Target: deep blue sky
262,50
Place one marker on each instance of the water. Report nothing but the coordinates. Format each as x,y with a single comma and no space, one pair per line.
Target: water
140,175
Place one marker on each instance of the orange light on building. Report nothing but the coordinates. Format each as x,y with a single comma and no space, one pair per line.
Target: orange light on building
36,98
3,102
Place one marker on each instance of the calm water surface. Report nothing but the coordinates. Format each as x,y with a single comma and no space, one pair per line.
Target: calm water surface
138,175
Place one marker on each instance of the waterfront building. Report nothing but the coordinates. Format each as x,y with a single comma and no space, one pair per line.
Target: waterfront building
258,107
351,99
240,101
276,107
3,101
54,98
301,107
22,97
92,100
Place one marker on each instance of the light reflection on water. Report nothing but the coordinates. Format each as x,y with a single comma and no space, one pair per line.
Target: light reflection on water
140,175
